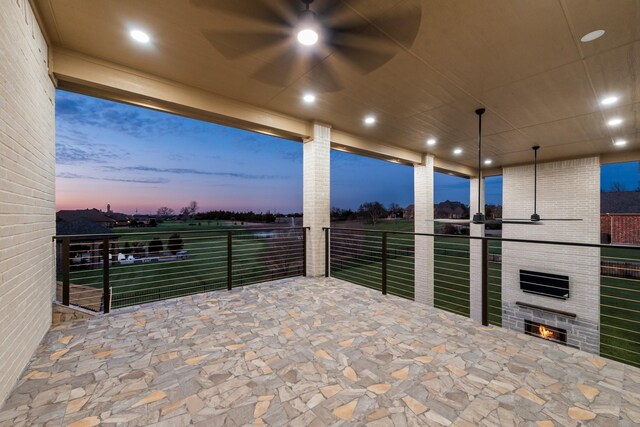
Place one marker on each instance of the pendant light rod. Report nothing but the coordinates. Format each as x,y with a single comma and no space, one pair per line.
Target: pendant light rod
535,216
479,217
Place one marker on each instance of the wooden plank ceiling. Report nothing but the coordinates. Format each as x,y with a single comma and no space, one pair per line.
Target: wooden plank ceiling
421,67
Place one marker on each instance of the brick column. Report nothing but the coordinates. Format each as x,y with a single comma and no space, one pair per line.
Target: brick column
475,252
315,198
566,189
423,220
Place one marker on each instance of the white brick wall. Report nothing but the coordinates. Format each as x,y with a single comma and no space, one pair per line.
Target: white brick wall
475,252
315,198
27,190
566,189
423,220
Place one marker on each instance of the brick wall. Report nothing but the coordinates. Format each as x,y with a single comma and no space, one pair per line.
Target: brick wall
566,189
623,228
315,195
27,190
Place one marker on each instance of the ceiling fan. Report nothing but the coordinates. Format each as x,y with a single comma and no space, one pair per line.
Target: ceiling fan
312,38
479,217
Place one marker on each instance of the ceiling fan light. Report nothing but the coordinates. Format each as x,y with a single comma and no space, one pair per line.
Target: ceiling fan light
308,34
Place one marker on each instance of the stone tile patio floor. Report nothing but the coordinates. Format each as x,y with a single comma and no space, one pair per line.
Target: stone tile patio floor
311,352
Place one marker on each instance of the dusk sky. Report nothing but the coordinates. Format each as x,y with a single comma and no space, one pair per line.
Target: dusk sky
139,159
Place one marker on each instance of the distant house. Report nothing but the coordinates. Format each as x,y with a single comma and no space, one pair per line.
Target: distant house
620,217
409,211
452,210
86,238
121,220
93,215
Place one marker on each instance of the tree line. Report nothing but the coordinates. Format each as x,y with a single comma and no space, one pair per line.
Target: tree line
191,212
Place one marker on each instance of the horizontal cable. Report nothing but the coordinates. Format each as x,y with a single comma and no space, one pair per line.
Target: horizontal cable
358,274
453,303
619,318
358,277
439,282
174,273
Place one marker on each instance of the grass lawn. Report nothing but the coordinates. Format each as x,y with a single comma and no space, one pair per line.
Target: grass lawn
205,268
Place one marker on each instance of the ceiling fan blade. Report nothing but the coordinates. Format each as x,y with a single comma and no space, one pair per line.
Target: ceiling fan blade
325,80
560,219
403,23
281,71
523,222
540,220
363,47
265,12
236,44
450,221
514,219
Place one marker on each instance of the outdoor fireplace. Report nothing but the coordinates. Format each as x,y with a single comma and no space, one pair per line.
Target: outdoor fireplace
546,332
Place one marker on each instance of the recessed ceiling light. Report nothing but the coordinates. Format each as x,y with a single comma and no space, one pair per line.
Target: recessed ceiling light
609,100
431,141
620,143
589,37
614,122
140,36
457,151
488,162
369,120
309,98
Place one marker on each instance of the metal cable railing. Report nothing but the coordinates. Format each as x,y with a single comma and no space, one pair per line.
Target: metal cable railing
153,266
598,284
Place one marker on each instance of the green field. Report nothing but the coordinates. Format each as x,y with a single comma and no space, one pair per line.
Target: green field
254,259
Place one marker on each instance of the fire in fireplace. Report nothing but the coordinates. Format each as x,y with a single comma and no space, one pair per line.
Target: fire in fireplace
545,332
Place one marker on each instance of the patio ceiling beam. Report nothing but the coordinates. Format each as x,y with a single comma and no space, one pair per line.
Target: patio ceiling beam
92,76
620,156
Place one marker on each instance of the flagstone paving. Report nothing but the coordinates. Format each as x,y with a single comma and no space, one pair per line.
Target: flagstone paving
311,352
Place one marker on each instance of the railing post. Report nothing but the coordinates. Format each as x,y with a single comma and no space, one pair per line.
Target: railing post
229,260
384,263
304,252
485,282
326,252
106,289
65,270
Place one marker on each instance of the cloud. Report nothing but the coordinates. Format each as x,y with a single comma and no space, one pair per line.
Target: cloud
292,156
70,175
188,171
75,153
80,110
